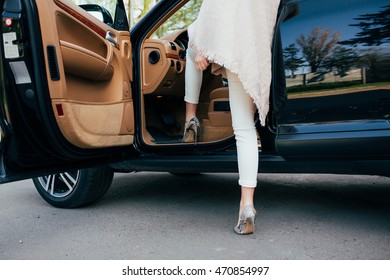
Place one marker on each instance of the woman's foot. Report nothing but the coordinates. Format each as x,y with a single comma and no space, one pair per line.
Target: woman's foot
246,223
191,130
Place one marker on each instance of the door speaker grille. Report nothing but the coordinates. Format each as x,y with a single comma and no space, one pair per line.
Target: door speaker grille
53,63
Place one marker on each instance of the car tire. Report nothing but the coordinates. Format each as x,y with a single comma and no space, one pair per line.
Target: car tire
75,188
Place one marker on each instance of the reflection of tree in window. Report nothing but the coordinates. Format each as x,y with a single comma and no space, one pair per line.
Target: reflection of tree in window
341,60
291,60
375,29
317,46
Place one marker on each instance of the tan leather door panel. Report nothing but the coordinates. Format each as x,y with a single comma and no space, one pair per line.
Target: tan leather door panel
92,100
85,64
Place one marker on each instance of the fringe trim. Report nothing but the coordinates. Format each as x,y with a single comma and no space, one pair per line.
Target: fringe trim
256,92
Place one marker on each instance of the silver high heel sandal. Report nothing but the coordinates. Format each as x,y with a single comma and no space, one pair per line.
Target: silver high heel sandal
246,225
191,130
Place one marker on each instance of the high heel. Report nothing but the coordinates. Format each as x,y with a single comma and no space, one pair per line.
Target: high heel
246,224
191,130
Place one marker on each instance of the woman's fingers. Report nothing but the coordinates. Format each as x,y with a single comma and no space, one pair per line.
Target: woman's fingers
201,62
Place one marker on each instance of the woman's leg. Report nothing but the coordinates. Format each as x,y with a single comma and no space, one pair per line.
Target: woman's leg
193,83
242,110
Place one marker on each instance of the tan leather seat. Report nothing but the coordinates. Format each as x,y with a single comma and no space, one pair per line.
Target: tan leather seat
219,123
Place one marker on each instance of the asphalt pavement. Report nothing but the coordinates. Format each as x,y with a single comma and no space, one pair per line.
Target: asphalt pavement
165,216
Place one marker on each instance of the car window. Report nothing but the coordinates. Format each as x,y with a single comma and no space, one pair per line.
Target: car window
336,58
180,20
107,4
323,44
137,9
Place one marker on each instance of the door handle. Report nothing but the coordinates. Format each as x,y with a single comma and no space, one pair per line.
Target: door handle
111,37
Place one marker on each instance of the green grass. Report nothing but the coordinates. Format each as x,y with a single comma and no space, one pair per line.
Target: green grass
331,86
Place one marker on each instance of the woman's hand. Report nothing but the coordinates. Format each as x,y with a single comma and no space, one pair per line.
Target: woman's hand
201,62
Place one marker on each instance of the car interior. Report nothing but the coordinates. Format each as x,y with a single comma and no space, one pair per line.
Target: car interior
90,74
163,90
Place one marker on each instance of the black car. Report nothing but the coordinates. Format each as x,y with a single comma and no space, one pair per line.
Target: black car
83,97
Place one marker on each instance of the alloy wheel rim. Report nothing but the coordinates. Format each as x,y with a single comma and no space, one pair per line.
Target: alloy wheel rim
61,184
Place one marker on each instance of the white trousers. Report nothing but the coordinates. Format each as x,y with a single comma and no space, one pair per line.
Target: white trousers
242,110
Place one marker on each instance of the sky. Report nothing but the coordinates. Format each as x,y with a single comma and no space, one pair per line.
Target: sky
332,14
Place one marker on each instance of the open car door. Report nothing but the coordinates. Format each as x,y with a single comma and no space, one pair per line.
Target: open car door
66,88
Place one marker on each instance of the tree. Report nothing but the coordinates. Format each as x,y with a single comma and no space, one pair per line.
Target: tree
291,60
317,46
375,29
142,7
370,60
341,60
181,19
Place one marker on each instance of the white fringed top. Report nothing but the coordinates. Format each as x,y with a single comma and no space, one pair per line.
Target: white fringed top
237,35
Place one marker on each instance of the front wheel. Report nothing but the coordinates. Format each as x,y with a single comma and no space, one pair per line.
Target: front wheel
75,188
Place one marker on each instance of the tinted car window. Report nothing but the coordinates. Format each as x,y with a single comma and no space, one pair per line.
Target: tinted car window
337,61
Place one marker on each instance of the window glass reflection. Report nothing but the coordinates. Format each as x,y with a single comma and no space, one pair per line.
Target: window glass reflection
337,48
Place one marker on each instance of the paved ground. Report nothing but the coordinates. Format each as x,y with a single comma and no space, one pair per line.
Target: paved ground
163,216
